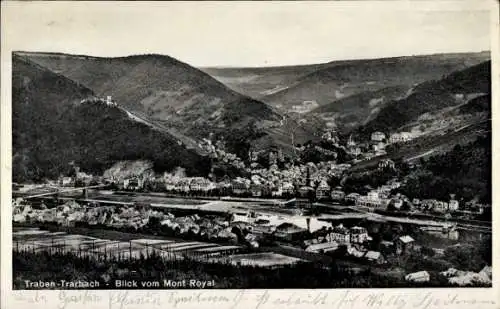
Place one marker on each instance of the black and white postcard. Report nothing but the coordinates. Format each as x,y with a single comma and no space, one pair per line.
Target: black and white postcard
208,154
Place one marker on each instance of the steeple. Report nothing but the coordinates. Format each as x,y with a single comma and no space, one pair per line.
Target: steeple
351,142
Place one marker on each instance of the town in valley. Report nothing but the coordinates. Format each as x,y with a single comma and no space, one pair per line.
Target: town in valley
145,172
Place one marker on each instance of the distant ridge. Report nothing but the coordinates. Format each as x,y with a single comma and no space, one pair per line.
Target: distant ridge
338,62
328,82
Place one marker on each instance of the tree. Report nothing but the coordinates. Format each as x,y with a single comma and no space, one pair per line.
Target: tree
406,206
427,251
391,207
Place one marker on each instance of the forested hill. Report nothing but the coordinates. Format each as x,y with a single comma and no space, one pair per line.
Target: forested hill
51,128
173,94
432,96
464,171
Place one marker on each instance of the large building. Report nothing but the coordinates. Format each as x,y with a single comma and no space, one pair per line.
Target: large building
386,163
323,191
378,136
340,234
373,200
359,235
400,137
337,195
201,184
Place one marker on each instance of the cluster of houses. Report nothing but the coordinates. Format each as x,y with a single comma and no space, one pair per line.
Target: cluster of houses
78,179
252,229
302,181
382,198
377,144
70,213
189,184
108,101
398,137
217,152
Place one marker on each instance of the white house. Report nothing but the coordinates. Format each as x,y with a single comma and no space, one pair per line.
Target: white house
440,207
378,146
386,163
374,257
351,142
397,203
372,199
323,190
453,205
353,197
359,234
340,234
400,137
288,188
67,181
421,276
201,184
322,247
337,195
378,136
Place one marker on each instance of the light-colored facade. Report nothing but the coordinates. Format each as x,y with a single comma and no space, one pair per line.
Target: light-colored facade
337,195
378,136
386,163
359,234
340,234
400,137
323,190
453,205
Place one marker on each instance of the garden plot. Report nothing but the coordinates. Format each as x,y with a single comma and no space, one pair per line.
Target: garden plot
151,242
95,245
110,246
134,253
192,247
216,250
174,245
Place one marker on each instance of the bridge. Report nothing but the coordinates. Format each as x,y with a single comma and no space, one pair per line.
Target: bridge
58,191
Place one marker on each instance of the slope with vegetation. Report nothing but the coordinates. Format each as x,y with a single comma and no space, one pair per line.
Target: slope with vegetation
261,81
350,112
432,96
170,93
340,79
464,171
51,128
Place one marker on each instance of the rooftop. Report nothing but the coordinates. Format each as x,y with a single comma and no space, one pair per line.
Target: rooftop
406,239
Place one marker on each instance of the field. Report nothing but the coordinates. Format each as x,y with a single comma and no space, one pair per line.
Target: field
36,240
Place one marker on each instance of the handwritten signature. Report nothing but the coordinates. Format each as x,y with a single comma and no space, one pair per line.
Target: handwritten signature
253,299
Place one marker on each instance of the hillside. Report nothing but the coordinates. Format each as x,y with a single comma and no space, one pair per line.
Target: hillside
477,105
51,128
464,171
259,82
340,79
433,96
168,93
355,110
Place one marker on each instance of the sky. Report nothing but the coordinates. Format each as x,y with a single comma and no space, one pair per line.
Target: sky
248,34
